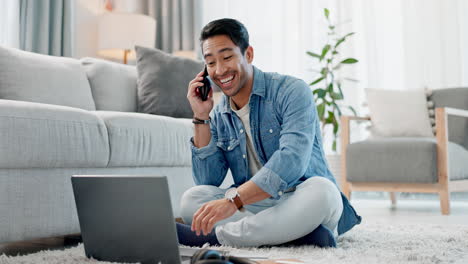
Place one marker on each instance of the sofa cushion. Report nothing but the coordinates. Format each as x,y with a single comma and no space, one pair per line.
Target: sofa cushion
147,140
27,76
38,135
409,160
162,82
114,85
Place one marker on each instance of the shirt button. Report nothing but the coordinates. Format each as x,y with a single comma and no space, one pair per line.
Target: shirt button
242,131
243,156
229,148
271,130
280,193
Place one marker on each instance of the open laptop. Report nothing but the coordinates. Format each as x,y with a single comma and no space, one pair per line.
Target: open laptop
127,219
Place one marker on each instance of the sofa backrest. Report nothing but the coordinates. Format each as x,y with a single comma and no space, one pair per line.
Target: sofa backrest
27,76
113,85
455,98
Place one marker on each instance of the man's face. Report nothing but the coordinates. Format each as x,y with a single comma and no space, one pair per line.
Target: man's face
226,65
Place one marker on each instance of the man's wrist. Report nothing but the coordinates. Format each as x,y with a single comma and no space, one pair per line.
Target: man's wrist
201,116
199,121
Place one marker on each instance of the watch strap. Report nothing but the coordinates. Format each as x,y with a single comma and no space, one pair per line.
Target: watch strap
199,121
238,202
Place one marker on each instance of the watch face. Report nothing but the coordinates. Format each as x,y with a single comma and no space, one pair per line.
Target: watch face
231,193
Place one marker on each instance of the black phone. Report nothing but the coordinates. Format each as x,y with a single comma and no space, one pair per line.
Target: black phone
205,89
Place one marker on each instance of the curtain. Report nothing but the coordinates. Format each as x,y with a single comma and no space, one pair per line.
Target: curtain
9,23
400,44
46,27
174,23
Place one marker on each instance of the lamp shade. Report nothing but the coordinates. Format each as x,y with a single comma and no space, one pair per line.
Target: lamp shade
122,31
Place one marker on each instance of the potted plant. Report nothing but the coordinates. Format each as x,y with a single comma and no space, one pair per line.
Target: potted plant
327,86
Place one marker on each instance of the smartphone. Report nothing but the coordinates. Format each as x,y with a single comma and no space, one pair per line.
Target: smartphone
205,89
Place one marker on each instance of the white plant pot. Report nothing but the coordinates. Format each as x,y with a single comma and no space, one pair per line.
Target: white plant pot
334,163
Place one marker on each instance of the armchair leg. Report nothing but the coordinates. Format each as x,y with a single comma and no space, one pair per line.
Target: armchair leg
393,198
346,190
444,201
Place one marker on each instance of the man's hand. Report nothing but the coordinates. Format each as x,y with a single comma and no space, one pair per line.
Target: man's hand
201,109
211,213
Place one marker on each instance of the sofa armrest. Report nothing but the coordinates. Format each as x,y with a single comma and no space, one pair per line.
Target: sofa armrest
345,133
442,114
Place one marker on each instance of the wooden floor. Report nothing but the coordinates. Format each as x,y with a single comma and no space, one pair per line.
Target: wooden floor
380,210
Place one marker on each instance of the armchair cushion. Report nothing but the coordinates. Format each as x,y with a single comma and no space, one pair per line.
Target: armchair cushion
405,160
399,113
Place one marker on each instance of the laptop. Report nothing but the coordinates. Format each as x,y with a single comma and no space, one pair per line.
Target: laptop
127,219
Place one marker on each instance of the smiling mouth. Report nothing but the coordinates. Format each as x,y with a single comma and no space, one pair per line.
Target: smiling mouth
226,82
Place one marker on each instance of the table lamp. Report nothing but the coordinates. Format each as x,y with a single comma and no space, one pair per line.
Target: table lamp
118,33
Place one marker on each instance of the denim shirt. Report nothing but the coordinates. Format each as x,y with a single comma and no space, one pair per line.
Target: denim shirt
286,136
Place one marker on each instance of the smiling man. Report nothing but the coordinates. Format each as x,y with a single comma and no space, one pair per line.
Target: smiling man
266,131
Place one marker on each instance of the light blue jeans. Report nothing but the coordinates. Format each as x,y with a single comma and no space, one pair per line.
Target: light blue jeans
271,222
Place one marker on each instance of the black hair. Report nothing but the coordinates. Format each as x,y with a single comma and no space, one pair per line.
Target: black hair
232,28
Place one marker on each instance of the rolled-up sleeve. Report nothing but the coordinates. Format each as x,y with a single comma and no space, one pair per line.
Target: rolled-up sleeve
289,163
209,166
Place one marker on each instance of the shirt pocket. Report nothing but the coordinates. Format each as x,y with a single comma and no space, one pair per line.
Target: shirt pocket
270,128
228,145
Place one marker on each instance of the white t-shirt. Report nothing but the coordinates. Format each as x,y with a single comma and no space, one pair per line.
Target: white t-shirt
244,115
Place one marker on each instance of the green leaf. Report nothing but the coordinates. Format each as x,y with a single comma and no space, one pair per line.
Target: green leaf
335,127
320,92
336,96
341,40
352,110
321,110
324,71
326,12
349,61
317,81
324,51
339,89
330,88
330,117
337,108
335,52
334,145
350,79
313,54
331,27
349,34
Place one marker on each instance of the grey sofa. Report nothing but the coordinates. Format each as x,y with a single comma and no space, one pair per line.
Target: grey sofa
431,165
60,117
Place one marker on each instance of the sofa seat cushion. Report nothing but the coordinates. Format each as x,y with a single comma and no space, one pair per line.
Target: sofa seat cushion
407,160
138,139
38,135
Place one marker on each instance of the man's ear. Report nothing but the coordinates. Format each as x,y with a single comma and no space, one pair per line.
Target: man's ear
249,54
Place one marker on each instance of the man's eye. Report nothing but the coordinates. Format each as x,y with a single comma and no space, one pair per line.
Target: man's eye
228,57
210,63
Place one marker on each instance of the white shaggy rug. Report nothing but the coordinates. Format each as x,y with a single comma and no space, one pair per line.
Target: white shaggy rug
366,243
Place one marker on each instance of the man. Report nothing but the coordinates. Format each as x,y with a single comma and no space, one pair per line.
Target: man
266,131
